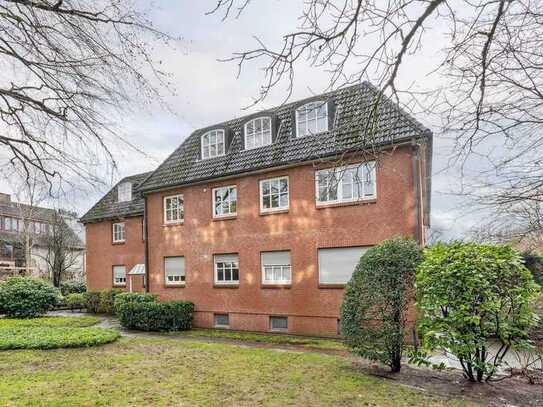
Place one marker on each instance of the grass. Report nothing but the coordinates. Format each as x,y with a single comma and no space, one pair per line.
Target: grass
53,332
74,322
277,339
161,371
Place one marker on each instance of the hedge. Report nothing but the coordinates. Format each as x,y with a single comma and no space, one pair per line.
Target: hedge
156,316
72,287
101,302
23,297
52,338
76,301
124,298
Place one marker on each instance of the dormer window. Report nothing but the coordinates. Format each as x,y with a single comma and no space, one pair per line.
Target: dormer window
312,118
213,144
258,133
124,192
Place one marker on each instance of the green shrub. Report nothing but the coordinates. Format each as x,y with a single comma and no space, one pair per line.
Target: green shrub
76,301
73,287
57,337
123,298
22,297
92,300
48,322
156,316
376,301
470,294
101,302
534,263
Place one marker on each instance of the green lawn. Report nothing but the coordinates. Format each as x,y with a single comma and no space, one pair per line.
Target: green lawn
276,339
171,372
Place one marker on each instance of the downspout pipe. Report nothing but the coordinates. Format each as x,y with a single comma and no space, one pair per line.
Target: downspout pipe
146,245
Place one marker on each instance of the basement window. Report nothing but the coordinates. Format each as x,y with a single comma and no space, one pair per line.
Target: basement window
279,324
221,320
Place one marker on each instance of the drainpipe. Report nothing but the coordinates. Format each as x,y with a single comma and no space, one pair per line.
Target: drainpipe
146,245
415,155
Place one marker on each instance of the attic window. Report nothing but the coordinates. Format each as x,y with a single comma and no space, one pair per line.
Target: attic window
312,118
124,192
213,144
258,133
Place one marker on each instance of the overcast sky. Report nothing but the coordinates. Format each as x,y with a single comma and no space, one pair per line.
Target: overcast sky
207,91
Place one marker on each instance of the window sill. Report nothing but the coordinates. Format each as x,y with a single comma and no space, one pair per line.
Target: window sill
119,242
229,217
265,213
233,285
271,285
335,286
165,225
221,326
119,285
349,203
182,285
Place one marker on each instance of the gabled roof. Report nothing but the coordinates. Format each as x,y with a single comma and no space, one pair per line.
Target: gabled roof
356,125
108,207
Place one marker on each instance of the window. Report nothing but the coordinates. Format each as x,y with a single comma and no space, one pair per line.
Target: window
213,144
276,267
224,201
278,323
258,133
174,270
311,118
124,192
346,184
274,194
221,321
336,265
118,232
119,275
173,209
226,269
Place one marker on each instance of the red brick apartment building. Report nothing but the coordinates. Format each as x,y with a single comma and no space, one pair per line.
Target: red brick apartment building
261,220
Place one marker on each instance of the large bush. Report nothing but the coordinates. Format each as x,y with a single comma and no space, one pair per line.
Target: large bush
376,301
72,287
22,297
76,301
156,316
101,302
470,294
124,298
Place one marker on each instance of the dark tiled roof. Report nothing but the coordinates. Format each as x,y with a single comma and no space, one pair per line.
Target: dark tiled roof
108,207
355,127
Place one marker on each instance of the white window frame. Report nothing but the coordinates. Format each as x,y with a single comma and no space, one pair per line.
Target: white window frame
118,230
322,250
216,271
341,171
180,210
261,134
279,208
282,266
124,192
121,283
180,282
205,141
214,202
314,103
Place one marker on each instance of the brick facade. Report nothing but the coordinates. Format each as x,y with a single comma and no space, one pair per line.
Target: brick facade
302,230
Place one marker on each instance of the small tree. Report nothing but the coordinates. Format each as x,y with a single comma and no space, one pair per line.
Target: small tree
375,307
470,293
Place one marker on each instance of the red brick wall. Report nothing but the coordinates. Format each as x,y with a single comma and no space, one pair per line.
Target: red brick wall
102,254
304,229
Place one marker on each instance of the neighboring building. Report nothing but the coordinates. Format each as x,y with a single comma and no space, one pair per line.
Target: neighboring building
261,220
24,234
